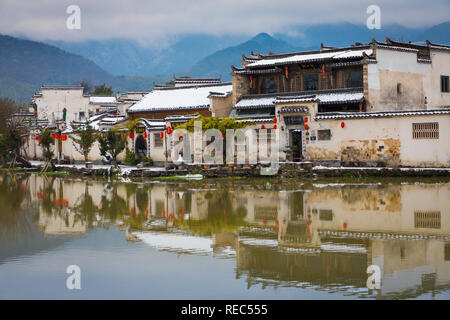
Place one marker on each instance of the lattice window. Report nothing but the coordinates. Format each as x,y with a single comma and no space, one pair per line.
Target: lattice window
426,130
427,219
158,142
324,134
268,213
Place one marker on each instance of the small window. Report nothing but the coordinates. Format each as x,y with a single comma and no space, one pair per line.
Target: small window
444,84
399,88
158,142
427,219
325,215
324,134
81,115
427,130
268,86
447,252
281,82
355,79
298,84
310,82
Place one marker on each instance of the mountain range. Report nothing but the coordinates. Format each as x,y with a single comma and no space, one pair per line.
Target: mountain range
126,65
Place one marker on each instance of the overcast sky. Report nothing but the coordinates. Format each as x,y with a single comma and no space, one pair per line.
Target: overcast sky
152,20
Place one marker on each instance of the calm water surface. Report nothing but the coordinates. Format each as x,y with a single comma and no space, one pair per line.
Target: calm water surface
224,239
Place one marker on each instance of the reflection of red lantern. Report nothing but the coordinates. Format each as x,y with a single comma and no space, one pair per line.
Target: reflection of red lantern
345,225
306,119
161,134
145,134
275,127
342,124
170,217
146,212
323,71
286,71
263,127
274,120
306,127
251,81
131,134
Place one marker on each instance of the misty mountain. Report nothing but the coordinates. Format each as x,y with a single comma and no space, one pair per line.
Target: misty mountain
126,57
218,64
26,65
343,34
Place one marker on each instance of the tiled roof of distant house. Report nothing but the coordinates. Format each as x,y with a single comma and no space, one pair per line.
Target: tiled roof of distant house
191,97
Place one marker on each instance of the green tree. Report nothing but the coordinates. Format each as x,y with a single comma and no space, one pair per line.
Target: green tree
102,90
46,145
7,108
83,141
112,144
11,142
221,124
87,87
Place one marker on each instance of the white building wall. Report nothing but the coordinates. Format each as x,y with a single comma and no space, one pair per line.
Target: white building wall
52,101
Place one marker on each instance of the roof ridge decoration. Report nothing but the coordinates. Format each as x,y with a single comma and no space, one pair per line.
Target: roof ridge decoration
163,88
394,113
437,46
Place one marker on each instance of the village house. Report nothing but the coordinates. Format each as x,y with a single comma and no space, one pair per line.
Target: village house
51,102
377,104
374,104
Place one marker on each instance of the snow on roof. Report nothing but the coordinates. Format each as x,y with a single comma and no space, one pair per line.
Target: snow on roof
381,114
255,102
101,100
299,58
178,98
113,119
323,97
176,242
337,97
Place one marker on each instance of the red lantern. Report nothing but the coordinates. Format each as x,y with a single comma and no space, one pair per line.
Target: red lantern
131,134
251,81
306,119
323,71
63,137
180,137
342,125
274,120
169,130
122,137
161,134
275,127
306,127
263,127
286,71
38,138
145,134
53,135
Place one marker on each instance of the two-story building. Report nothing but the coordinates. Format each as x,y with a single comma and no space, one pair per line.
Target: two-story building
368,104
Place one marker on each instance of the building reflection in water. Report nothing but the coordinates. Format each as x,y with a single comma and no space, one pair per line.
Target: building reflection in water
305,235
